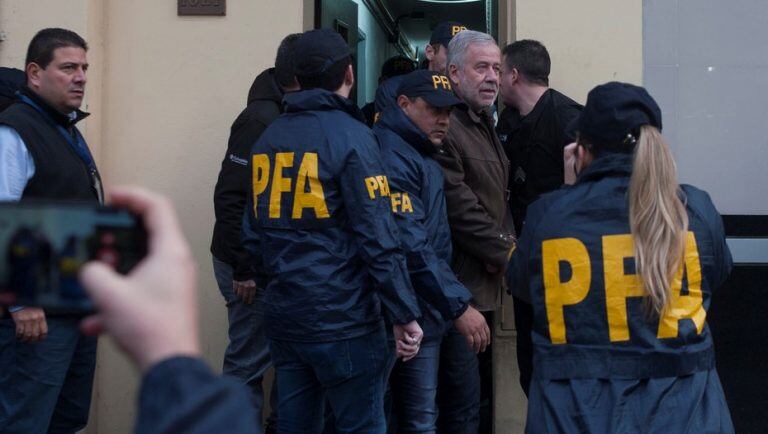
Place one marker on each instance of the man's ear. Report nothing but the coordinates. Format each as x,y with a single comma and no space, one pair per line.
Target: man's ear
515,74
349,76
584,157
33,74
429,51
403,102
453,74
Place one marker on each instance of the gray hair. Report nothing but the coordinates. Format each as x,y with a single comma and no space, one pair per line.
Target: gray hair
460,43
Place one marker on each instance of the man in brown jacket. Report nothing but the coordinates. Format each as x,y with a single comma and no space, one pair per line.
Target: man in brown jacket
476,172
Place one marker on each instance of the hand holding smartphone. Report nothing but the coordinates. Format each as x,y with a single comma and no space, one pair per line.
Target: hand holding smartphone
43,245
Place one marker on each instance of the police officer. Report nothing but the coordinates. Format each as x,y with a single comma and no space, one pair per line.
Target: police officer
247,354
620,269
321,230
410,133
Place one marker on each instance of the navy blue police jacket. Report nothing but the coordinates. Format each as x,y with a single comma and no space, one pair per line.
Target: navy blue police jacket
601,362
418,204
320,227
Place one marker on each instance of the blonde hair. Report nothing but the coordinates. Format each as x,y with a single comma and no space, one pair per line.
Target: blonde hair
657,217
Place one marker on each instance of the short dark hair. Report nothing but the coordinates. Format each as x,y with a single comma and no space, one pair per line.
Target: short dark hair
531,60
284,74
331,79
46,41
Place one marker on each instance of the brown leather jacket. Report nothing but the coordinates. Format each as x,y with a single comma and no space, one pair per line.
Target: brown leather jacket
476,171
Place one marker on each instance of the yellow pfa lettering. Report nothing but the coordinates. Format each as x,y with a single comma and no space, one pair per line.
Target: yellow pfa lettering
558,293
259,176
280,184
441,80
372,185
396,202
383,185
618,285
401,203
446,83
688,306
457,29
309,191
377,183
407,206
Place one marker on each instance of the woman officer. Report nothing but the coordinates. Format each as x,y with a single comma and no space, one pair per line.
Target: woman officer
620,270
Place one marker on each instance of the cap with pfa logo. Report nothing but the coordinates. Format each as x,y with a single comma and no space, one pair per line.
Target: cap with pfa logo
445,31
317,50
434,88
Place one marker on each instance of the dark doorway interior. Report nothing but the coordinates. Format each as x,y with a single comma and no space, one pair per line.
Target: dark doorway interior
378,29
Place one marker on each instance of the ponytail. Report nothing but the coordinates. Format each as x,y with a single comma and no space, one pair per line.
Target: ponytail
657,217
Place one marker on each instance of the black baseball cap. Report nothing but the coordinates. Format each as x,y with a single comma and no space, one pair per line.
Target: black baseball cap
316,50
397,65
433,87
614,110
445,31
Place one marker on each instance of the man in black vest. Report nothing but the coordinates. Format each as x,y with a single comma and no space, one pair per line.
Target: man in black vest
46,364
533,130
247,355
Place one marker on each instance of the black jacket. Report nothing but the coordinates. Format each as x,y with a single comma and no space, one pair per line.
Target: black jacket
534,145
264,106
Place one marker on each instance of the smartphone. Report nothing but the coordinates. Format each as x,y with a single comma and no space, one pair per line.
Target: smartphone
44,244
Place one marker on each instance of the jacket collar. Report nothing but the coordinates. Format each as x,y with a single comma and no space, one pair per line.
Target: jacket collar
395,120
480,117
66,121
320,100
610,164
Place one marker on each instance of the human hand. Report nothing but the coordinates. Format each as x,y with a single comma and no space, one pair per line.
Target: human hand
31,325
407,339
472,325
569,164
152,312
245,289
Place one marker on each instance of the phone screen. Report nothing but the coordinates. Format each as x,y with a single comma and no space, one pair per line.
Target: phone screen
43,246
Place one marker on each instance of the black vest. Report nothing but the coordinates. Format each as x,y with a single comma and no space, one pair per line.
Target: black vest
60,173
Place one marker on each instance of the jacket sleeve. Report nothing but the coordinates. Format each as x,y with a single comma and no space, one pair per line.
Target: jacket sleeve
472,228
181,394
720,250
431,276
365,192
251,242
518,278
231,190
